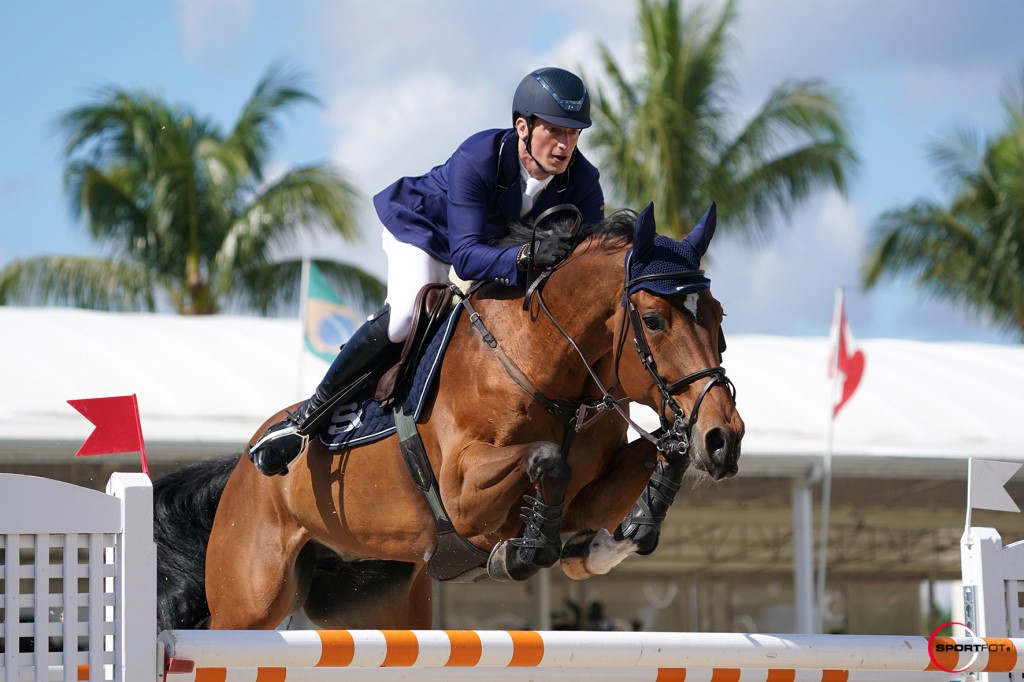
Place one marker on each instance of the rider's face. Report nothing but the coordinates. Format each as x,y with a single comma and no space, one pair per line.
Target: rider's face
552,147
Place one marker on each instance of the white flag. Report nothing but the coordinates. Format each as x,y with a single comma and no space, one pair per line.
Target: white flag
986,485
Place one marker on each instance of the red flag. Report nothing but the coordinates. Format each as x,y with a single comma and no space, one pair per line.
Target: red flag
118,428
846,364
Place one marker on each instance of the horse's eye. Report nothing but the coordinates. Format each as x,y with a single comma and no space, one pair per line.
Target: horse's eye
654,322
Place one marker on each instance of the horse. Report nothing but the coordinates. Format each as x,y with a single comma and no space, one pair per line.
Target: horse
524,443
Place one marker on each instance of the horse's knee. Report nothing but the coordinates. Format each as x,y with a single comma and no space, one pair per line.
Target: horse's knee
548,469
257,598
489,492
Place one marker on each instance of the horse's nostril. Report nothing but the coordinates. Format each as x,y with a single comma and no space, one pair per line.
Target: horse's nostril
716,444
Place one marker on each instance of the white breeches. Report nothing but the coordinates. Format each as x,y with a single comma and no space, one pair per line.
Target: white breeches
409,269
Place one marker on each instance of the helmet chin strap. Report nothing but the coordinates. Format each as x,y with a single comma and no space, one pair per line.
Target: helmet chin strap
529,148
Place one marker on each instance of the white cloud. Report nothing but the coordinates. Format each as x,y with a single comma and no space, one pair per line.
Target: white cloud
408,125
872,34
933,49
787,286
211,29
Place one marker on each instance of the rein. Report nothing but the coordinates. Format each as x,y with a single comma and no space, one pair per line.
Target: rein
536,284
564,413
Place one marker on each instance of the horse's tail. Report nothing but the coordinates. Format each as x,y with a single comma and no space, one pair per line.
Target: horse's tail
184,504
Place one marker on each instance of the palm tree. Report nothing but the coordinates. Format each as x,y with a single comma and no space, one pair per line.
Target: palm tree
971,251
186,211
668,135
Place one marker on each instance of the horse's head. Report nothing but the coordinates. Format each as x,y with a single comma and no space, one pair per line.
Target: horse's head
675,324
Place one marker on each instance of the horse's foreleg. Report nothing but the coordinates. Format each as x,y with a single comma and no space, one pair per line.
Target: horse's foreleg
643,522
252,581
591,552
493,481
539,545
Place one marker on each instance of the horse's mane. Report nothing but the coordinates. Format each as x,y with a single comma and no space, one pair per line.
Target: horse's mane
616,228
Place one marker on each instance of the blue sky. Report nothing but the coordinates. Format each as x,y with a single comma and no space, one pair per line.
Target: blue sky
403,82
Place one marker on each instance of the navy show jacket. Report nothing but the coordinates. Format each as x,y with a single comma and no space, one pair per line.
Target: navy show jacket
454,211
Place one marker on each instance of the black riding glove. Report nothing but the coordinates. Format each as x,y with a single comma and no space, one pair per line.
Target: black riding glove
551,250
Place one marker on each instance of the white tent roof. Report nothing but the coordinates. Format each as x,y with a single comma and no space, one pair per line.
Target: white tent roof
204,384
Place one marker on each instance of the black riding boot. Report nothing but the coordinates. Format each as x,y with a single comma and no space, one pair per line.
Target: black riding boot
358,358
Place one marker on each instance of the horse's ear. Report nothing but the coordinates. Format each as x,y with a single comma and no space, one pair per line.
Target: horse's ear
701,234
643,233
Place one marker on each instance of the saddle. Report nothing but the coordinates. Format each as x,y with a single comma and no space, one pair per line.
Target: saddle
454,559
433,303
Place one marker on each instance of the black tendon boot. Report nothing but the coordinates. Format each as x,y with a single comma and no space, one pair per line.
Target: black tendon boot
643,523
359,357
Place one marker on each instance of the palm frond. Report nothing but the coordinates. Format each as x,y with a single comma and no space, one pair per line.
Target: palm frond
258,123
769,191
958,154
79,282
307,199
275,288
159,185
359,288
971,250
668,136
106,205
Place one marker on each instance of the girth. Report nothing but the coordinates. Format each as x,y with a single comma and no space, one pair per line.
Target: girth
454,559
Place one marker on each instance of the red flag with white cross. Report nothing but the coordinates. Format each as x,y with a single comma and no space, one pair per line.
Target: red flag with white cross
846,365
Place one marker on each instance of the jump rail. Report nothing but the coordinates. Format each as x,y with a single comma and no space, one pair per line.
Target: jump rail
569,675
79,603
209,652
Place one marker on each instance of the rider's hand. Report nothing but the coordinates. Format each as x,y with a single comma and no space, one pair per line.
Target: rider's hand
551,250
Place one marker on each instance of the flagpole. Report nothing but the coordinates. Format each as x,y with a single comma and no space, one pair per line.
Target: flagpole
967,523
138,431
303,305
826,471
826,503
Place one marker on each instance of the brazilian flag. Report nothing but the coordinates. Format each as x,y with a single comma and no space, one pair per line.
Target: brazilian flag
329,322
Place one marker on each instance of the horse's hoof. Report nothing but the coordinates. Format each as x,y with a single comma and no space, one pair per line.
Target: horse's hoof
497,563
574,554
600,554
645,538
509,562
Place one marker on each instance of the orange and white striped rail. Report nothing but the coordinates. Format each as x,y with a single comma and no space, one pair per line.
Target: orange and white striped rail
665,657
56,674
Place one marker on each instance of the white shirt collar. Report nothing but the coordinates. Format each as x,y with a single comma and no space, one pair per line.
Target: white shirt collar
527,178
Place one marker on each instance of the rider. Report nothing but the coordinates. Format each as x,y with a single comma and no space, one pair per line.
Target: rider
450,217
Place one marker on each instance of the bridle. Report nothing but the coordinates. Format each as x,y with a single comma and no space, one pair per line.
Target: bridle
674,436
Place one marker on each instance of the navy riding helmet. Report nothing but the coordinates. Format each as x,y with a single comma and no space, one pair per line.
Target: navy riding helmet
554,95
